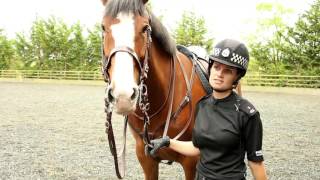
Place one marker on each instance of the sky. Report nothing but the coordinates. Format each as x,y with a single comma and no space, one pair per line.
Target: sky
224,18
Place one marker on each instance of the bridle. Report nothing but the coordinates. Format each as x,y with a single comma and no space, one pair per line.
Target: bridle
144,105
144,68
143,102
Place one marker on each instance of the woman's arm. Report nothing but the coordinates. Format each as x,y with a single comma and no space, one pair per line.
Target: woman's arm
184,147
258,170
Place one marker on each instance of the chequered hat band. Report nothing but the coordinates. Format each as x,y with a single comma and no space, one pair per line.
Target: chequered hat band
236,58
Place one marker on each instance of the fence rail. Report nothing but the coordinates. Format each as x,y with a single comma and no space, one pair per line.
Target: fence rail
282,80
250,79
60,75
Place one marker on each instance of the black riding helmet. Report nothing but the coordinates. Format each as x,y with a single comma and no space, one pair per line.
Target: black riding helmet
232,53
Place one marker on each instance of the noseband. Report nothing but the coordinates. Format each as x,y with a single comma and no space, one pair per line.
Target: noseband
106,60
144,68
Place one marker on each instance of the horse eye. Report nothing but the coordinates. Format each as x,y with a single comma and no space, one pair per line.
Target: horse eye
102,27
145,28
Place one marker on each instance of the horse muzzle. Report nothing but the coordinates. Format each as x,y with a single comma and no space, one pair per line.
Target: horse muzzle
122,102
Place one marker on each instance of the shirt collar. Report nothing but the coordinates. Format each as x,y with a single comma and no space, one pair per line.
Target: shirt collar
225,99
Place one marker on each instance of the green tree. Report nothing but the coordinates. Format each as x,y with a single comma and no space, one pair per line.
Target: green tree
303,51
53,45
47,46
6,51
23,50
267,43
94,48
38,45
57,34
77,52
192,30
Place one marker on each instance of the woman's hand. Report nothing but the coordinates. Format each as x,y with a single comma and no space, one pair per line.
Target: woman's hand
158,144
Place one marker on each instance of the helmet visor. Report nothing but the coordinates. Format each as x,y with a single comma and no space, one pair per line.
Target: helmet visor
226,62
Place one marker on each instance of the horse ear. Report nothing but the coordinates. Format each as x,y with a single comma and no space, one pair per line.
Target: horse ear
144,1
104,2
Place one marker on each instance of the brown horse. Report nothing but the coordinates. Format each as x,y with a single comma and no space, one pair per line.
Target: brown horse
149,81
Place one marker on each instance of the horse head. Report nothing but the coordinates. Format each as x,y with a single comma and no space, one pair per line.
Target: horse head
125,44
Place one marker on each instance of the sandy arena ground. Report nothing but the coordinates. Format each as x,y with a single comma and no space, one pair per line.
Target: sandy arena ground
56,131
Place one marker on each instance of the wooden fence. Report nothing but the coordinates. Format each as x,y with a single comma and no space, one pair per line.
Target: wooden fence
63,75
250,79
282,80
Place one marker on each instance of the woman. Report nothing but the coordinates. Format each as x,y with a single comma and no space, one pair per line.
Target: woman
227,127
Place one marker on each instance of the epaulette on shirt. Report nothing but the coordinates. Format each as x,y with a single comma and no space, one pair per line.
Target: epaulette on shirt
205,97
247,107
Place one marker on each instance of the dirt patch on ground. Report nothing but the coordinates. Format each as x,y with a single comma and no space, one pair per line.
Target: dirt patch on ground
56,131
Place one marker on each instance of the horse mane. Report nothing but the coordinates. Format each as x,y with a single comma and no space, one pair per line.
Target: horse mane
161,34
137,7
114,7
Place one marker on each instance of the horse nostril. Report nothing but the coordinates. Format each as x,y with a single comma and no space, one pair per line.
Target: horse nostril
135,93
110,96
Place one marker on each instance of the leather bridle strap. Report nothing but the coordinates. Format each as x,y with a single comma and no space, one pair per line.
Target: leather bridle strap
165,101
143,68
172,85
112,144
107,59
184,102
187,99
144,104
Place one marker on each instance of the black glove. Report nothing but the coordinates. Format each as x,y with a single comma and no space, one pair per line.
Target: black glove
159,143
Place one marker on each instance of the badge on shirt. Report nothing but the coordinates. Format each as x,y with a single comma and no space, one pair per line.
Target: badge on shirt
251,110
259,153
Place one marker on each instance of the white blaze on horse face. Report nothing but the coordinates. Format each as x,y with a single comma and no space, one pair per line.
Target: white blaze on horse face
122,80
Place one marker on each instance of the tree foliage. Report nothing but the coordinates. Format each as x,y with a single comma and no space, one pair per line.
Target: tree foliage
94,48
53,45
280,49
192,30
6,51
275,48
303,50
267,42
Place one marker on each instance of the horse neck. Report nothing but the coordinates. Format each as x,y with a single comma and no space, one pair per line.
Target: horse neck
158,81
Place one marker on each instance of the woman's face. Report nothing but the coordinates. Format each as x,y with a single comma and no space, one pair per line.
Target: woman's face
222,77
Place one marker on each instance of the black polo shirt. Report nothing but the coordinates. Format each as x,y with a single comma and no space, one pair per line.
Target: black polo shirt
225,130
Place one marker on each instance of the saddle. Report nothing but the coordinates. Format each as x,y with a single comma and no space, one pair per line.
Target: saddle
201,65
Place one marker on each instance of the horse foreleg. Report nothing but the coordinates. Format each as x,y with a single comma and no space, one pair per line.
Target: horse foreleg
189,167
149,165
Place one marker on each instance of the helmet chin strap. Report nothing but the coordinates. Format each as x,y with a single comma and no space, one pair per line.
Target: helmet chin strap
224,90
234,85
236,82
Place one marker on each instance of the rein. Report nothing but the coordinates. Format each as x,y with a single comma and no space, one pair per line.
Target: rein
112,144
